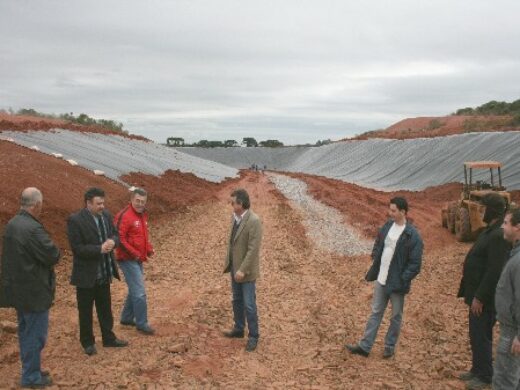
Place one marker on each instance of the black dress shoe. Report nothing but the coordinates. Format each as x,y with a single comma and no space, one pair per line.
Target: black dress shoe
234,334
251,344
127,323
116,343
356,349
90,350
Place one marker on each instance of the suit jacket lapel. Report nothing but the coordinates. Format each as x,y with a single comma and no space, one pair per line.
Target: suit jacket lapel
242,224
90,220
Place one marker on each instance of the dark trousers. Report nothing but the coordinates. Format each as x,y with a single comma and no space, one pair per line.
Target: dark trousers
481,340
87,297
32,335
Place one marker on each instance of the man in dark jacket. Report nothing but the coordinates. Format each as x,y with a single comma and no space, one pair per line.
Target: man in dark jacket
29,283
92,238
396,260
482,268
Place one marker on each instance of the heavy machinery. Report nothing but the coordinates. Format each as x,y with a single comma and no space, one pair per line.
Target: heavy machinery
464,217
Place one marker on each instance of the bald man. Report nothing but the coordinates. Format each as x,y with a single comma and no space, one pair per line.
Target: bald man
28,283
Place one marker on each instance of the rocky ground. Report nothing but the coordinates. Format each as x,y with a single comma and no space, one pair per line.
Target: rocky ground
324,224
311,302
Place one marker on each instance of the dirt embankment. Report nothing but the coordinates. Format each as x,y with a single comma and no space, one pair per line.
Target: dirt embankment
366,208
429,127
310,303
31,123
63,187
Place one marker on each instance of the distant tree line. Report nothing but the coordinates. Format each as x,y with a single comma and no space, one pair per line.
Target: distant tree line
495,108
249,142
81,119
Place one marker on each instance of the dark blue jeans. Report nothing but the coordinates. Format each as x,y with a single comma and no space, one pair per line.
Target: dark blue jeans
32,336
244,306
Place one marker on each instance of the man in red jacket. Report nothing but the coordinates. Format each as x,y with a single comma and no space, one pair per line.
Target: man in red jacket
134,250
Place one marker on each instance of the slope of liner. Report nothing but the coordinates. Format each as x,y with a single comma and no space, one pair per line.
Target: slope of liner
383,163
117,156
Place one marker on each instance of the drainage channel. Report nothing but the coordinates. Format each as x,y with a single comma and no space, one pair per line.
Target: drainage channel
324,224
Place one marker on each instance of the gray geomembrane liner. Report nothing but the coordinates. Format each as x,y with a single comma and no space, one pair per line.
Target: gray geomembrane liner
385,164
117,156
376,163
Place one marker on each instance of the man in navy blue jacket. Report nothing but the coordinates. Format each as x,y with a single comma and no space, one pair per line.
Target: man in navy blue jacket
396,260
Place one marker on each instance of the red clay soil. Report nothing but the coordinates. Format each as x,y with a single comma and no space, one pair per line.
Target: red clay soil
366,208
174,191
310,304
25,123
429,127
63,186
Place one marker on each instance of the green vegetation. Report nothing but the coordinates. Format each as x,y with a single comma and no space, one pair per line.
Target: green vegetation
271,143
492,108
434,124
248,141
324,142
81,119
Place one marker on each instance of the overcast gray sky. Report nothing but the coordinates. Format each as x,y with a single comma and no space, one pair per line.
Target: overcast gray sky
292,70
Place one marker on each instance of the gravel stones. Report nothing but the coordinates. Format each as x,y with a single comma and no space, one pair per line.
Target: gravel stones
324,224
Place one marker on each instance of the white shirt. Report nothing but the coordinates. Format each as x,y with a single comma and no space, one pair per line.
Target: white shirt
239,218
388,252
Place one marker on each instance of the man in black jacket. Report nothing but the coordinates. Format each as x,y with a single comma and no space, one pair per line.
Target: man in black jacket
29,283
92,238
482,268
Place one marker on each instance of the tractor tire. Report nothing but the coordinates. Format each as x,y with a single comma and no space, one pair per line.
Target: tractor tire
452,213
462,225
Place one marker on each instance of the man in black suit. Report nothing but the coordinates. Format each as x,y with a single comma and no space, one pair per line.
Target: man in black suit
92,238
482,268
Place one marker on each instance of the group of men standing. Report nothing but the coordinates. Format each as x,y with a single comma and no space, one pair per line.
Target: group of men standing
101,245
490,286
97,241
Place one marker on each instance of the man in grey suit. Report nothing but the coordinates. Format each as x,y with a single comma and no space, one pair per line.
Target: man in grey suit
243,263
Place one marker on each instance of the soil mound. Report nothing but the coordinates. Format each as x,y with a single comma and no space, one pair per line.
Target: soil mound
63,186
429,127
30,123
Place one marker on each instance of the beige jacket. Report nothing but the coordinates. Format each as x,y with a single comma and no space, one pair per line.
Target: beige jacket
245,247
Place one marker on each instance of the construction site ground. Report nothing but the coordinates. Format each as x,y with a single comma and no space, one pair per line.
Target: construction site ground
310,302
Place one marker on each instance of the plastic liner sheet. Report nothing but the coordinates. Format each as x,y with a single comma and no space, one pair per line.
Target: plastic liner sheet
117,156
386,164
